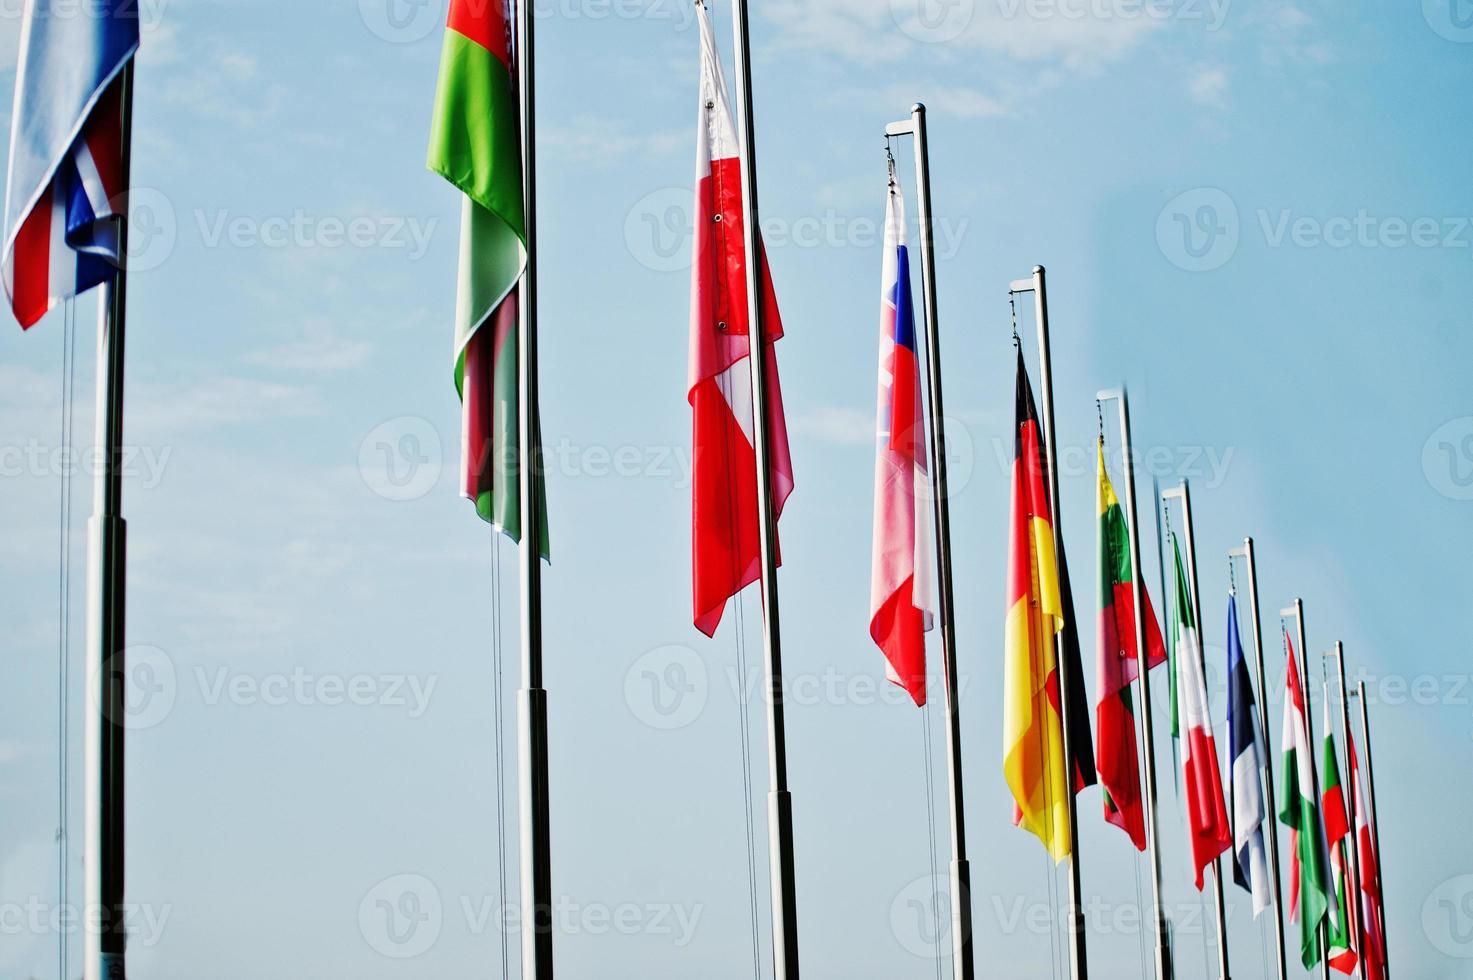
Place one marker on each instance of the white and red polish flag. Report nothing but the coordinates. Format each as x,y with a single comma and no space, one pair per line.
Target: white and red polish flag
900,572
724,516
1373,935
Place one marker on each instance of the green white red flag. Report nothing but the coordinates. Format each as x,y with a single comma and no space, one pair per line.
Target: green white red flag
1341,925
1299,811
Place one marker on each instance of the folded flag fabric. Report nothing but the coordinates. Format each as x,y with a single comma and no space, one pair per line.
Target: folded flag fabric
1373,935
1117,664
1299,811
901,567
1207,820
1040,607
64,199
475,144
725,521
1341,925
1250,864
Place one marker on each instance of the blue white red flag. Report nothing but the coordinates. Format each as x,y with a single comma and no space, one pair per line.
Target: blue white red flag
1250,865
901,570
67,160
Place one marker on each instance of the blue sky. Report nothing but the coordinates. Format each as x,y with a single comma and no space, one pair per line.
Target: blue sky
1253,214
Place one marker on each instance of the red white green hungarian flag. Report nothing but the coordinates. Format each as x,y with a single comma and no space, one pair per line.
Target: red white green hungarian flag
475,144
1117,665
1341,924
1299,811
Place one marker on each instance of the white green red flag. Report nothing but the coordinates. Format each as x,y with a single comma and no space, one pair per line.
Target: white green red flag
901,567
475,144
1299,811
725,549
1117,664
1207,819
1373,935
1341,925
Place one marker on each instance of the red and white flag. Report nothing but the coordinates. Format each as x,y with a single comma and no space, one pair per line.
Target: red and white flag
1373,936
900,571
724,516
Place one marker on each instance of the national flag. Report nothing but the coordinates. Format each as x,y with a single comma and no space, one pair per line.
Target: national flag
64,202
1250,864
1040,607
1341,924
475,144
724,514
1207,820
1299,811
1118,665
900,572
1373,935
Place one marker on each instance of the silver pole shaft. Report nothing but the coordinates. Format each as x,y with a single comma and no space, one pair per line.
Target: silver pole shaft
1365,730
779,801
1268,765
1352,887
961,883
1186,503
532,756
103,850
1153,834
1079,966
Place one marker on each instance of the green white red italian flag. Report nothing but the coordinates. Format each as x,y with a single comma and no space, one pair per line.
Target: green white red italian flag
1299,811
475,144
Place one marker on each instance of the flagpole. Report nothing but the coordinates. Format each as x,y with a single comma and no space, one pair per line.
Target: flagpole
1365,730
1297,613
1185,493
1353,913
532,754
1143,676
103,850
961,876
779,800
1248,553
1079,966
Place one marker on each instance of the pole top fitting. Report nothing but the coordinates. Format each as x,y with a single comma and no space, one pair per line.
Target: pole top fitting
919,109
1109,394
1038,270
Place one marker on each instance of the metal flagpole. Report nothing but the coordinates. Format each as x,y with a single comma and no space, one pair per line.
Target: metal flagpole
1365,731
1185,493
1119,395
1352,888
532,700
779,800
961,876
1296,612
106,608
1037,285
1247,552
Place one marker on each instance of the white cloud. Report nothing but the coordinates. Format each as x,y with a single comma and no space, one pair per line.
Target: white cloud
601,142
1208,86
